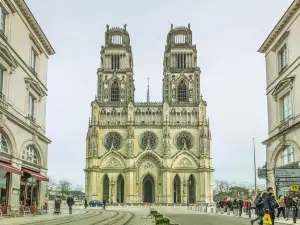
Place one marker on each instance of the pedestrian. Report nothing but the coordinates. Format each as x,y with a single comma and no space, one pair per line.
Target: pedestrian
281,207
85,204
288,206
235,207
104,204
259,208
270,203
240,203
70,202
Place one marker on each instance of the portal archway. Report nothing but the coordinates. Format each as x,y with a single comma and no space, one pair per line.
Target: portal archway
106,187
120,189
192,192
148,189
176,188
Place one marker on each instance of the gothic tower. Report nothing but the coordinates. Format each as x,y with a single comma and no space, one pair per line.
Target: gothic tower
115,75
181,82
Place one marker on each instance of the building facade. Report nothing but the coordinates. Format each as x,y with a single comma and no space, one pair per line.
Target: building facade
149,151
282,53
24,52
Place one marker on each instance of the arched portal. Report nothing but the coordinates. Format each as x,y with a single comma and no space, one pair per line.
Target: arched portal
191,193
106,187
176,188
120,189
149,189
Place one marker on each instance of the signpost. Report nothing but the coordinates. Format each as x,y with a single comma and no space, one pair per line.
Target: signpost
283,173
294,187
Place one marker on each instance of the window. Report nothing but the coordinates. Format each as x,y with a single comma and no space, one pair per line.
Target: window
115,62
181,61
33,56
3,144
2,20
29,154
182,92
1,83
288,155
286,107
31,102
114,92
282,55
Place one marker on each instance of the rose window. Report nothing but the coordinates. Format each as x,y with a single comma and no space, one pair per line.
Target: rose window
113,141
148,141
184,140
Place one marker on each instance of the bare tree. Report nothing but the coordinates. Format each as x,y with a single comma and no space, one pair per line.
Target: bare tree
222,186
64,187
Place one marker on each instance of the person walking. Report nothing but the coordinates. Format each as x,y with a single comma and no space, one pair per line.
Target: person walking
288,206
281,207
70,202
85,204
270,203
259,208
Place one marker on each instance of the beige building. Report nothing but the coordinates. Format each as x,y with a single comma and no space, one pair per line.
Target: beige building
149,151
282,52
24,53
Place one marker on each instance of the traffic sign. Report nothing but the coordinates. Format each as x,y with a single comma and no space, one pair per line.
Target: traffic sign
286,183
280,172
294,187
288,179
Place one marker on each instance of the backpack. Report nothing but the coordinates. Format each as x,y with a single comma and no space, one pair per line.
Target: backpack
273,203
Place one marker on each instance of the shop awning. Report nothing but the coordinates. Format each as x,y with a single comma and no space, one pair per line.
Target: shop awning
36,175
9,168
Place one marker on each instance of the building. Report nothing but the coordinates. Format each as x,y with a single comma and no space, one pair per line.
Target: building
282,53
149,151
24,53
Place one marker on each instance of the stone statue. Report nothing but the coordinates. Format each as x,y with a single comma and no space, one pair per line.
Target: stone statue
94,147
166,132
130,132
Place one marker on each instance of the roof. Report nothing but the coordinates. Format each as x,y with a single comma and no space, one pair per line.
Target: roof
35,26
285,19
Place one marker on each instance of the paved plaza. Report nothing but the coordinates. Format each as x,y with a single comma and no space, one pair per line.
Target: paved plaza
131,215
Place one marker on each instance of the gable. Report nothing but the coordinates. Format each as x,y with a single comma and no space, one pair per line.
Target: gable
113,162
35,86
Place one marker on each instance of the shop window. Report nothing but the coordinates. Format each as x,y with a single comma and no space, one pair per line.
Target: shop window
288,155
30,155
29,190
4,177
3,145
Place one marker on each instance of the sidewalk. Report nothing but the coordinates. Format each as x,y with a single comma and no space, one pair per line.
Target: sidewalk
37,218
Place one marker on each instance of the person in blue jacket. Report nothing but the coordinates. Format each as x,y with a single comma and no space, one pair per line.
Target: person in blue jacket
259,206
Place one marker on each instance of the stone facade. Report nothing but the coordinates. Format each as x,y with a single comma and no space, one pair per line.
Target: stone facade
282,52
24,52
151,151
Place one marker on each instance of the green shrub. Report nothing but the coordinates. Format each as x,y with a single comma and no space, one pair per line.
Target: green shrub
158,215
166,220
152,212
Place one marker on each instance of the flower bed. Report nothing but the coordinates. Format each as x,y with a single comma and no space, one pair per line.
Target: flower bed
160,219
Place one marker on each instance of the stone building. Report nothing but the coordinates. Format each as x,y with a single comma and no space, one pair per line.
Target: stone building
149,151
282,54
24,53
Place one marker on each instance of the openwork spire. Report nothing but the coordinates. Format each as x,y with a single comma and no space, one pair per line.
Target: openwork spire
148,91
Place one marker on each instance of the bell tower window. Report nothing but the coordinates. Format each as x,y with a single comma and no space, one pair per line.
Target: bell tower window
115,92
115,62
181,61
182,92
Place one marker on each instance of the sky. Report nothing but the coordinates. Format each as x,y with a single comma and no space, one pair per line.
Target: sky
227,34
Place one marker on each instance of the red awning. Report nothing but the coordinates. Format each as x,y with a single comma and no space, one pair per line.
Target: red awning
36,175
9,168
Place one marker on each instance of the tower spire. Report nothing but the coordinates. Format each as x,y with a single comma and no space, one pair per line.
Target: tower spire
148,91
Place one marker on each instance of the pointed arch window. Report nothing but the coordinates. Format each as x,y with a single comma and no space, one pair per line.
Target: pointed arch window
30,155
182,92
3,145
115,92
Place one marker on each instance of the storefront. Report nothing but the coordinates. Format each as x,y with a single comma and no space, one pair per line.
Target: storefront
30,187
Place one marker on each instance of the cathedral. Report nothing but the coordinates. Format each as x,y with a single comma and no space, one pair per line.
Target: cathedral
154,152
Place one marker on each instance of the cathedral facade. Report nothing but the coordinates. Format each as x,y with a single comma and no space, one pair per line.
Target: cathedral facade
155,152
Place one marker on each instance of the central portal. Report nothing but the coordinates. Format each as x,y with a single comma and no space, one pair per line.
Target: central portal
148,188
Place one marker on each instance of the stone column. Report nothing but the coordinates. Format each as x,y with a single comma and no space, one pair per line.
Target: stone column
113,191
14,183
98,186
130,196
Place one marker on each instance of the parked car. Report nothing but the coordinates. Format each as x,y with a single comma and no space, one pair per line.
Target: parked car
95,203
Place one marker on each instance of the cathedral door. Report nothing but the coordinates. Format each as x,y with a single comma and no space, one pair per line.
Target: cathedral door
120,189
105,187
176,186
192,191
148,184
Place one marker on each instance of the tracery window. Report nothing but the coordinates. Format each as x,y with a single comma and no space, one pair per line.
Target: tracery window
113,140
288,155
30,155
182,92
115,92
184,140
148,141
3,145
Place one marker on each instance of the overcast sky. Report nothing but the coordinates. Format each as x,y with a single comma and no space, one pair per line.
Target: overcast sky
227,34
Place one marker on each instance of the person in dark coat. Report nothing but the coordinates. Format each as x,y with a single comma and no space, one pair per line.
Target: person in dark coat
267,203
70,202
85,204
259,208
241,204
